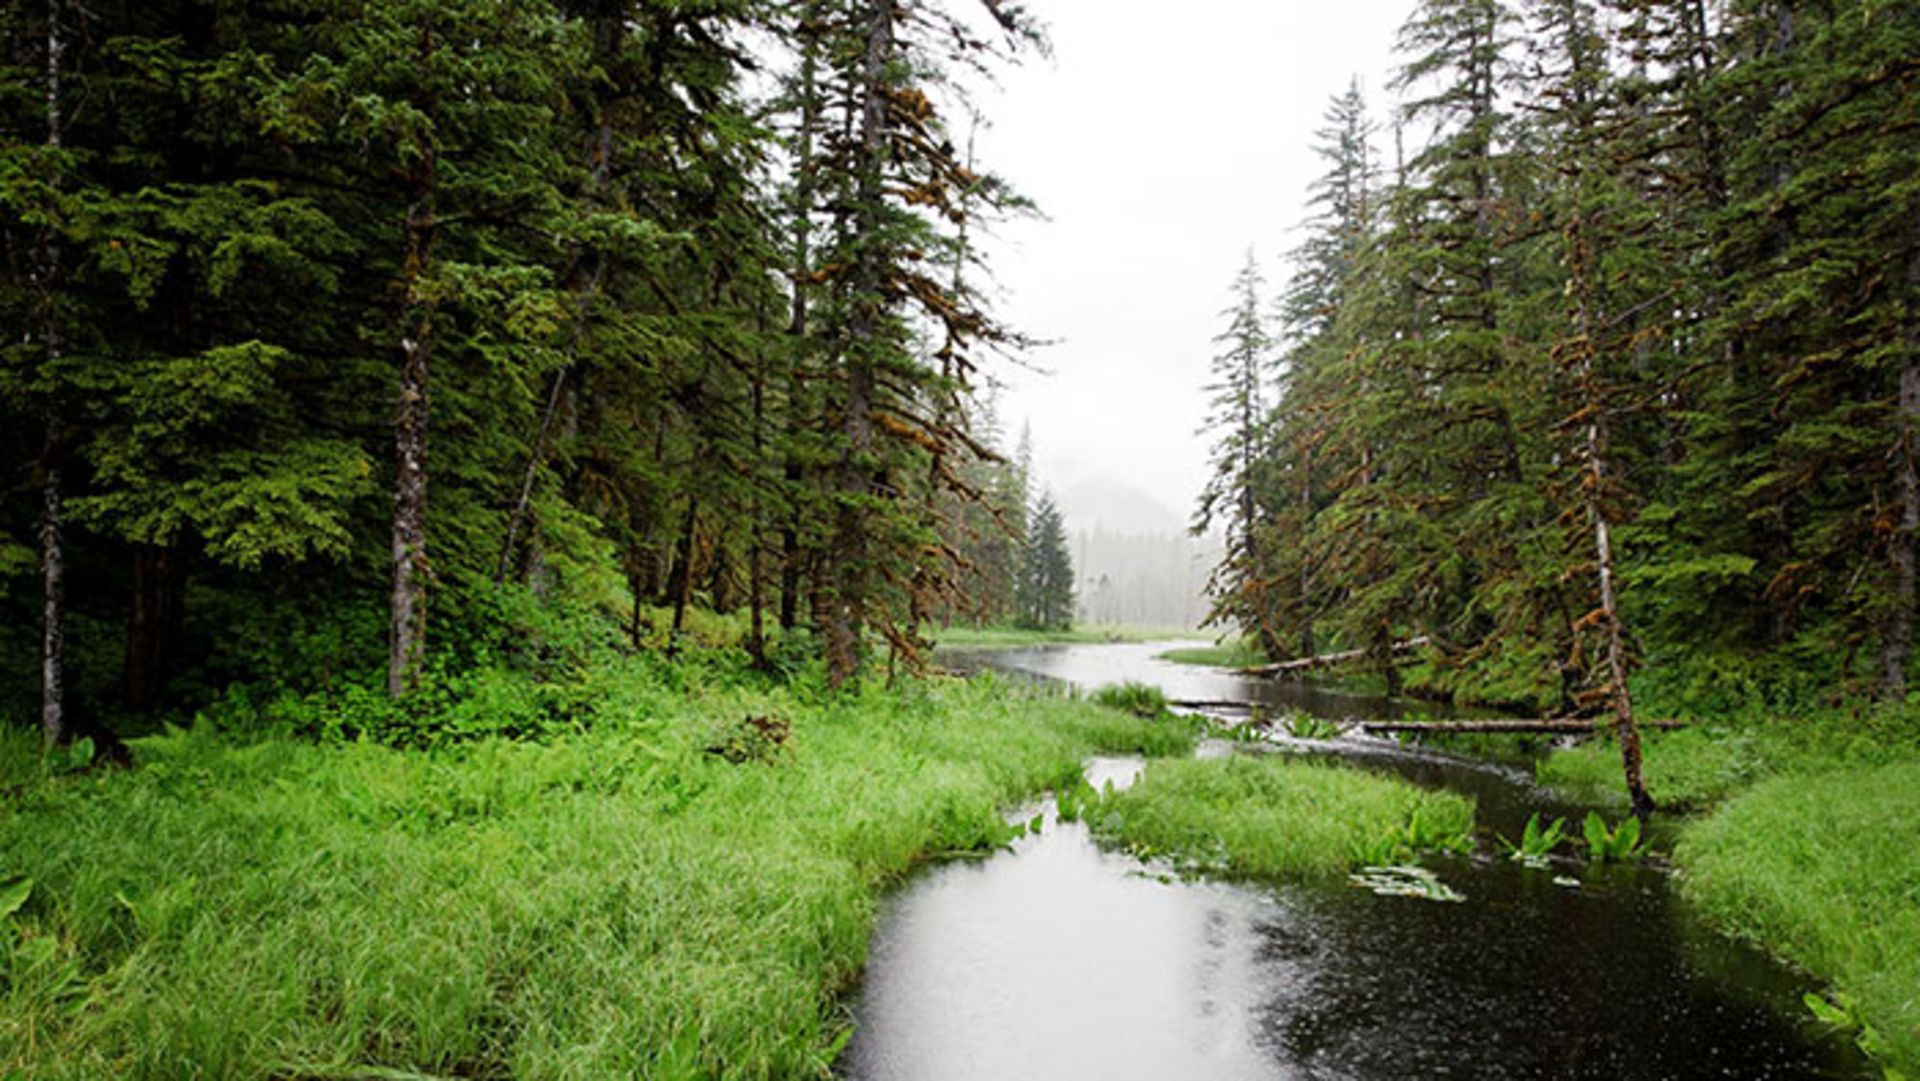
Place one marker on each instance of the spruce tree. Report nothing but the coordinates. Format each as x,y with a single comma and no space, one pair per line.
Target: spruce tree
1237,422
1046,594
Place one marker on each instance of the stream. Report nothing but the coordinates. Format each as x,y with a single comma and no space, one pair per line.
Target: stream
1057,960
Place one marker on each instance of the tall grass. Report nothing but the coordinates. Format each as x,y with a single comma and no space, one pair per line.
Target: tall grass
1274,816
1693,768
610,902
1235,652
1824,869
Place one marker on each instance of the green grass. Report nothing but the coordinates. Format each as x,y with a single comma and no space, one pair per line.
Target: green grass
1233,653
1824,869
1276,816
964,637
1694,768
1806,841
611,902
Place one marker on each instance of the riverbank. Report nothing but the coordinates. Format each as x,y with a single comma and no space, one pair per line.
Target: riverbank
1233,652
1804,838
684,889
1801,836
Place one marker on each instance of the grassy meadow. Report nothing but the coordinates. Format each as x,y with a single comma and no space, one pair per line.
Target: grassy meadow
682,888
1804,838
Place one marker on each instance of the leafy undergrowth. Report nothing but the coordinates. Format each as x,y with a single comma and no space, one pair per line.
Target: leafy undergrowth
622,900
1276,816
1824,869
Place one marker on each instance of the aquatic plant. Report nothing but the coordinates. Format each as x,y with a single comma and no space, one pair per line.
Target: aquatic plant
1404,880
1839,1012
1139,699
1536,842
1615,845
1303,725
1837,900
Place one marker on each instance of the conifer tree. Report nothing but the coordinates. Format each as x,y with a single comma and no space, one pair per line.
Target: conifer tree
898,188
1046,580
1238,419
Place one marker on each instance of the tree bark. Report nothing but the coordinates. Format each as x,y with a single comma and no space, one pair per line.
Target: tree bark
53,558
408,603
1553,726
158,595
1584,290
1896,641
756,561
680,580
847,612
53,592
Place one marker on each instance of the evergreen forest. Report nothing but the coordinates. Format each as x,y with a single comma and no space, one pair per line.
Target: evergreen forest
523,554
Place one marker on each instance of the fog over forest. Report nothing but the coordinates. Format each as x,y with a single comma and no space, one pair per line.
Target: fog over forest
1134,561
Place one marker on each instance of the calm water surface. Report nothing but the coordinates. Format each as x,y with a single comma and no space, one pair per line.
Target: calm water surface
1057,960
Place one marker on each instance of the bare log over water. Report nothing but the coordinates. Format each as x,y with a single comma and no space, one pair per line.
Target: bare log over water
1516,725
1328,660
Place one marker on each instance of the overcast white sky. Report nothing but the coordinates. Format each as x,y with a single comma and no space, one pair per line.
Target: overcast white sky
1161,140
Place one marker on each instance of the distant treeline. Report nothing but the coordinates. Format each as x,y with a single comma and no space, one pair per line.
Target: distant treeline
1605,353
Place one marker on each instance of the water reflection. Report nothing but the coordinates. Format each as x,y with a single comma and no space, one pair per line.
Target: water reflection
1060,961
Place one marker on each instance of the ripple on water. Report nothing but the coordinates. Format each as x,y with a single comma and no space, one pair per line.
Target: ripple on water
1057,961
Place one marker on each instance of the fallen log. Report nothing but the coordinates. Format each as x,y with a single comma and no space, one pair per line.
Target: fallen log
1328,660
1524,727
1488,725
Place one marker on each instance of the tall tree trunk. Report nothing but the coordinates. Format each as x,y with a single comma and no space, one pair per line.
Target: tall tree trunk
680,579
1585,290
159,584
791,553
756,561
53,591
847,614
408,603
1307,645
1896,640
53,557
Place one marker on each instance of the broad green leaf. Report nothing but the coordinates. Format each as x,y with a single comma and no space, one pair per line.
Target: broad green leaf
14,891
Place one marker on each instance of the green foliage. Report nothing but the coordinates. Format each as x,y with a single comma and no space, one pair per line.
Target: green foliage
1697,767
1536,842
1273,816
1841,1014
1819,867
1139,699
501,907
1404,880
1616,845
1235,653
1303,725
1649,284
1043,595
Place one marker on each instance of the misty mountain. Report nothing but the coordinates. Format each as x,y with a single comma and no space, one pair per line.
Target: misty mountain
1134,562
1117,507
